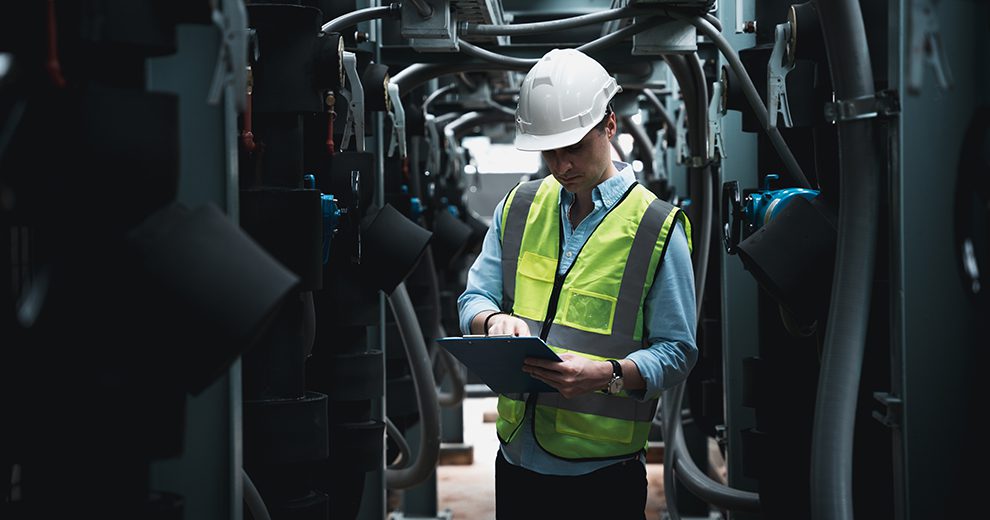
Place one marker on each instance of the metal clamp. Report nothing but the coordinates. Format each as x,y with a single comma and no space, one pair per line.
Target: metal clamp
682,145
777,71
398,116
884,104
892,417
232,58
716,148
926,47
355,102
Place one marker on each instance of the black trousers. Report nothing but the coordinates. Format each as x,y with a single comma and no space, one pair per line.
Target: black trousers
614,492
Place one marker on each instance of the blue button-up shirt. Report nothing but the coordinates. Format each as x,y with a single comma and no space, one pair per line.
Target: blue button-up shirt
669,313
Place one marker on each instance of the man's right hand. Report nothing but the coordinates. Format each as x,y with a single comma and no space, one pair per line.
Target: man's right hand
499,324
507,325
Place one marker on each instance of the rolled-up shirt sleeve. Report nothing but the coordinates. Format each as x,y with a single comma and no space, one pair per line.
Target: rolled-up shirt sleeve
483,289
670,315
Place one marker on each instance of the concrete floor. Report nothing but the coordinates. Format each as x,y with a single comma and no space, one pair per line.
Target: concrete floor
468,491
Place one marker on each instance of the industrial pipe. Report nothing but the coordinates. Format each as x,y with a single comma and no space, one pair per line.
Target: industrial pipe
855,255
662,110
697,482
426,394
400,441
519,29
690,77
252,498
594,45
361,15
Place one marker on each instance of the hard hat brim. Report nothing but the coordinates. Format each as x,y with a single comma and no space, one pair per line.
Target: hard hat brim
542,143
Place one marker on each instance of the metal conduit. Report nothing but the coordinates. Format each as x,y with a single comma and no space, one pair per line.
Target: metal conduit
423,7
361,15
469,29
594,45
690,76
855,255
426,394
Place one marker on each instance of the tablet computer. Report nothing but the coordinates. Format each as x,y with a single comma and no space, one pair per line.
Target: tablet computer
498,360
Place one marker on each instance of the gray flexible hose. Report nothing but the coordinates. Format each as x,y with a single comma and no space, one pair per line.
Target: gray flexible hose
616,37
487,55
426,394
752,95
361,15
252,498
519,29
419,73
699,483
594,45
400,441
677,459
423,7
849,309
434,95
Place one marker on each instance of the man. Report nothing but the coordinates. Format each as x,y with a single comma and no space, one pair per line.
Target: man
598,267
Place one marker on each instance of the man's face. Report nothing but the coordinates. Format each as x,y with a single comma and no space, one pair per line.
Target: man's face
582,166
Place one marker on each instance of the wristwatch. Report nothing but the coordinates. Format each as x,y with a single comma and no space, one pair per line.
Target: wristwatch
615,384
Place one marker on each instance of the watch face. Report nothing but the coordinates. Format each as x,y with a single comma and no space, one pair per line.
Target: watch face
615,385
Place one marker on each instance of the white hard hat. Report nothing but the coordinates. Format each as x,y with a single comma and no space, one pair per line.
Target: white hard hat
563,97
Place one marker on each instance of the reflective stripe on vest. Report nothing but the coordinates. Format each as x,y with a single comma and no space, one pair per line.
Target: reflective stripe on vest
599,313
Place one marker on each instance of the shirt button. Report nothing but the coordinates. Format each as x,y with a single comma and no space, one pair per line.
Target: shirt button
569,254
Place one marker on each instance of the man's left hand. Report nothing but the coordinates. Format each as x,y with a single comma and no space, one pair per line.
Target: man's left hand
575,375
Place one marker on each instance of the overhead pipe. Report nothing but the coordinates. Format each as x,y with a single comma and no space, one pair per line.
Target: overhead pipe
594,45
361,15
519,29
426,394
849,308
418,74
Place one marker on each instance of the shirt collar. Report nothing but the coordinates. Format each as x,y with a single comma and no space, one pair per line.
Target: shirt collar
611,190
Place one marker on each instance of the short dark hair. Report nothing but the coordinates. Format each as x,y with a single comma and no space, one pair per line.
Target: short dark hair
601,124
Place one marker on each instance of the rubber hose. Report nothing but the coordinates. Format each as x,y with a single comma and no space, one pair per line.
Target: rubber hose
855,255
426,394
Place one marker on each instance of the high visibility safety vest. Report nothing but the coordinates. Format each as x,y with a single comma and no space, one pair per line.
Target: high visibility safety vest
595,309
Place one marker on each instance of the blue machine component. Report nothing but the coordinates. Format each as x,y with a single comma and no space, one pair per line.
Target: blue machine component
331,215
755,209
416,208
760,208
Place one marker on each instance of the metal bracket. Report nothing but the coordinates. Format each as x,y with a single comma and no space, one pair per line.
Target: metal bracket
892,417
716,148
355,103
660,154
682,147
777,71
436,32
884,104
398,116
433,159
232,58
926,47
